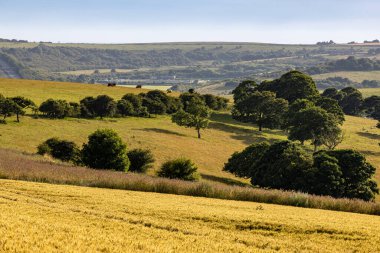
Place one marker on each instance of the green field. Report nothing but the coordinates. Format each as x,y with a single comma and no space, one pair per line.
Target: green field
166,139
39,217
356,76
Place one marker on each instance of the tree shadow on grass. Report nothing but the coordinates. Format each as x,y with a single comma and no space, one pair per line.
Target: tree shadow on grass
248,136
369,135
161,131
223,180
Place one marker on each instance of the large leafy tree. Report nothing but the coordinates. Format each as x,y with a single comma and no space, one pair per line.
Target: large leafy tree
105,150
352,101
291,86
196,115
261,108
244,89
312,123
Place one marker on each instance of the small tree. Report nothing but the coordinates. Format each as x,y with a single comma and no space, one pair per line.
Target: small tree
183,169
8,108
105,150
141,160
104,106
55,108
23,103
196,116
125,108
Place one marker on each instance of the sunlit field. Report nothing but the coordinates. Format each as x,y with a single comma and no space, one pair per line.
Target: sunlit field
39,217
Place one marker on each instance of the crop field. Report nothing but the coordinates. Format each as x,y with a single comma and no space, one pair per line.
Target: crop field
39,217
356,76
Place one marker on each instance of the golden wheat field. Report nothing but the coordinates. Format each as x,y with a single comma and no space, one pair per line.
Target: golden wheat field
39,217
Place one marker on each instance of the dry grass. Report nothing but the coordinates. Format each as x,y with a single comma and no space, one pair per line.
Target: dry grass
39,217
21,167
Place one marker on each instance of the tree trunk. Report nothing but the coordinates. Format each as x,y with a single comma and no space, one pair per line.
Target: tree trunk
199,133
18,118
260,127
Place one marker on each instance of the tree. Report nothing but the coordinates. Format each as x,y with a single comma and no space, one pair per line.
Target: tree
332,107
141,160
55,108
240,163
283,166
291,86
125,108
181,168
104,106
371,106
60,149
357,174
135,100
23,103
156,101
214,102
187,97
352,101
244,89
196,116
105,150
8,108
312,123
262,108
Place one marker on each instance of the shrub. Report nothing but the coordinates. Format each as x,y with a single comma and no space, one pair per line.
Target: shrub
141,160
60,149
125,108
55,108
105,150
181,168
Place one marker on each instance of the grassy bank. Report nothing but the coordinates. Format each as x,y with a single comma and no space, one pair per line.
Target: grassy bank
21,167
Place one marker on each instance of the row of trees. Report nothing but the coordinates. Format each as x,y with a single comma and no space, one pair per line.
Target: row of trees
293,103
286,165
106,150
352,102
142,105
14,106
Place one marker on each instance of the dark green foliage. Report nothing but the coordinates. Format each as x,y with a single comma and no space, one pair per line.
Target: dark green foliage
262,108
57,109
312,123
214,102
291,86
156,101
371,106
331,106
60,149
174,105
141,160
240,163
181,168
284,166
8,108
350,99
356,173
135,100
101,106
195,116
350,64
244,89
125,108
105,150
187,97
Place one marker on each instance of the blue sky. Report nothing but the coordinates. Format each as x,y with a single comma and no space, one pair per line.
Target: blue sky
127,21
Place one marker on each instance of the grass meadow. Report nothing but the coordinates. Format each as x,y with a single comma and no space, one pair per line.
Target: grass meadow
356,76
38,217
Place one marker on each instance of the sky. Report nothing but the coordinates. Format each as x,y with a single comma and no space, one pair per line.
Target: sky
142,21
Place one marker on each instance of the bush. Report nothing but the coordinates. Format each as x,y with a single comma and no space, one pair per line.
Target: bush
105,150
181,168
55,108
63,150
141,160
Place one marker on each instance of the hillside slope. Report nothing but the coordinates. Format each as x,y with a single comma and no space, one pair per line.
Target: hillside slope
38,217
